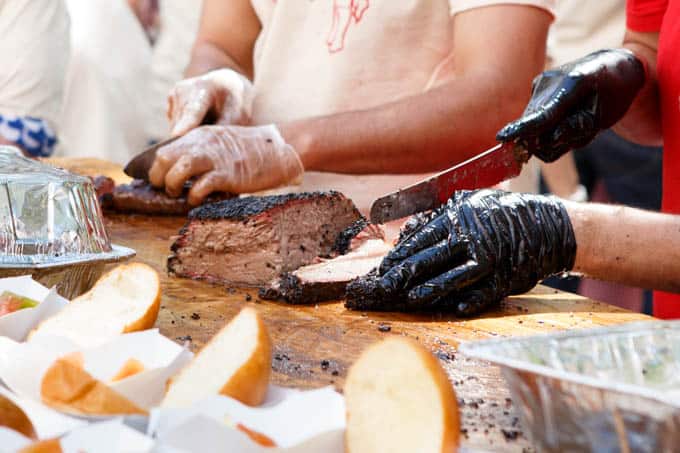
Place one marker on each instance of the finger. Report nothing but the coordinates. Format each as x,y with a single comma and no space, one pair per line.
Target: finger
208,183
451,281
186,167
474,300
422,238
423,265
166,157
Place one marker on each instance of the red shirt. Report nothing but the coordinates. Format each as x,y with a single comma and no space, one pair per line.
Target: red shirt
664,16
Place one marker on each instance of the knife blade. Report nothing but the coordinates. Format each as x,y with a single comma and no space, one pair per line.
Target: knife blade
139,166
492,166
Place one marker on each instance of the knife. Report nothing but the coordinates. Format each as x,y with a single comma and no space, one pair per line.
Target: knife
139,166
497,164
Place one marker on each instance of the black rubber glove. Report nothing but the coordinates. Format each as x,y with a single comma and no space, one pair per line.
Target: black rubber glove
481,247
569,105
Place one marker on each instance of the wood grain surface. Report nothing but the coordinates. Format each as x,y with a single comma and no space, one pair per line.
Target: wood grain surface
315,345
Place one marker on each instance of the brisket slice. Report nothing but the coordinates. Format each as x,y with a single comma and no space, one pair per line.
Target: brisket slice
250,241
140,197
327,279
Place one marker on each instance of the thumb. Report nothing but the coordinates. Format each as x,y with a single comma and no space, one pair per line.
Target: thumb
189,116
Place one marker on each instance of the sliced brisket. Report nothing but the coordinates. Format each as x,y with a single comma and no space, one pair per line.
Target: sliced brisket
326,280
250,241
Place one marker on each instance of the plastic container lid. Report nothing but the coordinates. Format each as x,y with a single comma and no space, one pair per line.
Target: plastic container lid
48,215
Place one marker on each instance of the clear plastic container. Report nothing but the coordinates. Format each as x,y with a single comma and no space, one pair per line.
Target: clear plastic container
51,225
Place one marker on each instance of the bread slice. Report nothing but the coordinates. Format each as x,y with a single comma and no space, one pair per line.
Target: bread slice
13,417
398,398
124,300
236,362
67,387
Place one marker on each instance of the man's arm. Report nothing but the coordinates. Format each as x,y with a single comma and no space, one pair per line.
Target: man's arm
642,123
627,245
436,129
226,38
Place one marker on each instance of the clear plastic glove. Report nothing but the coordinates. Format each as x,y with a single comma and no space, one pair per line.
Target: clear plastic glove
219,97
233,159
477,249
571,104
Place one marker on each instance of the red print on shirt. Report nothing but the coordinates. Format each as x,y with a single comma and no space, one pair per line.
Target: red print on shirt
344,13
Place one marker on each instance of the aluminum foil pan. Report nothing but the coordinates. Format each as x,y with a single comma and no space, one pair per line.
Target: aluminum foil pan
614,389
51,225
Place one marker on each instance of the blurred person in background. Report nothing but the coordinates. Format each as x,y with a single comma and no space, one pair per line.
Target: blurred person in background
126,56
177,29
105,110
340,88
33,56
610,169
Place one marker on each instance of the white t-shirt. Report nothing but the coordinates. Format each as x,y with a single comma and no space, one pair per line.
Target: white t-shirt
34,48
327,56
584,26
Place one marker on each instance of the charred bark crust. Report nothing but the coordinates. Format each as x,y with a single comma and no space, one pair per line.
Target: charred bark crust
244,208
296,292
364,293
344,240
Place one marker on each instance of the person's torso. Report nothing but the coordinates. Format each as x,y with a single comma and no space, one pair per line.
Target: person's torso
33,57
669,86
322,57
668,305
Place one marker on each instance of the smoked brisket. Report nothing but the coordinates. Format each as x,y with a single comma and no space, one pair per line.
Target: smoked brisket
250,241
365,247
140,197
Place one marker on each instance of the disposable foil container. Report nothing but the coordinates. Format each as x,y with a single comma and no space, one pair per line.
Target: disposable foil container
613,389
51,226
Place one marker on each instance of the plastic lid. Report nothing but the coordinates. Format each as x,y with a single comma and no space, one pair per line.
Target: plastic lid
46,214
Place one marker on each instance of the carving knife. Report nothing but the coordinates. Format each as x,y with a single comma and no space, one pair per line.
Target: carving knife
139,166
497,164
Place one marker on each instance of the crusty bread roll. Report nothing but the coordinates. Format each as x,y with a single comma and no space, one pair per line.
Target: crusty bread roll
13,417
125,299
236,362
399,399
67,387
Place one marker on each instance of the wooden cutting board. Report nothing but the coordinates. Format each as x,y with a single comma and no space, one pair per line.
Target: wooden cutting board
315,345
87,166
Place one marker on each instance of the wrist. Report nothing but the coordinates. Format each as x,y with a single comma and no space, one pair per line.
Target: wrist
297,135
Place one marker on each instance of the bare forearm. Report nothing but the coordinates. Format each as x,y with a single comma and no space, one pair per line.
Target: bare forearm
207,57
642,123
226,38
627,245
423,133
436,129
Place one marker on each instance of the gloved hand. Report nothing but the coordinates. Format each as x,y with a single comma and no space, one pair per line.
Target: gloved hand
219,97
570,104
477,249
232,159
